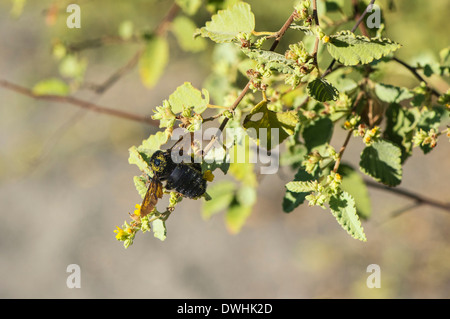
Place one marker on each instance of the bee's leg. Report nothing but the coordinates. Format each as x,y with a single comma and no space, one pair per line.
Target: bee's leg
169,185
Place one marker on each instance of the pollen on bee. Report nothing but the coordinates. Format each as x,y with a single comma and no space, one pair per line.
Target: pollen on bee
208,175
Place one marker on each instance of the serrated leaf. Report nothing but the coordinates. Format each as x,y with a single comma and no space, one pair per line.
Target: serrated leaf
154,142
227,24
318,133
400,125
353,184
343,208
153,60
271,128
301,187
137,158
159,229
351,49
293,199
322,91
184,29
51,87
272,60
392,94
140,184
186,96
382,161
305,30
221,194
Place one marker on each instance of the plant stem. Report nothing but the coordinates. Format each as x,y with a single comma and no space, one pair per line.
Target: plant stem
418,198
224,123
349,134
160,30
416,74
77,102
316,43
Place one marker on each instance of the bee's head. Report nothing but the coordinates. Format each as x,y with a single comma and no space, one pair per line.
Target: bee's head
160,162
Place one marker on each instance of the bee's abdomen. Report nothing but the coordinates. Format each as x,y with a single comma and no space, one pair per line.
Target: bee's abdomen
186,180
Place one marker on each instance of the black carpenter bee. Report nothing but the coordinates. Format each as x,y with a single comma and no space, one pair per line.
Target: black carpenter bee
184,178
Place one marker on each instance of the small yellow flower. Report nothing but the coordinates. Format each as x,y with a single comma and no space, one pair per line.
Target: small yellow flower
374,130
338,177
121,235
326,39
367,139
137,211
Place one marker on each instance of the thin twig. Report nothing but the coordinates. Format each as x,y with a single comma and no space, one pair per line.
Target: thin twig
77,102
416,197
101,88
328,70
416,74
316,43
349,134
160,30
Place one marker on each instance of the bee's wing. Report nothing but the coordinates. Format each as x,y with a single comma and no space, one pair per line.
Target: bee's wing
154,192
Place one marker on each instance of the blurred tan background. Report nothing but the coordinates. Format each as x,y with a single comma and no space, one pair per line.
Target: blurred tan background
65,183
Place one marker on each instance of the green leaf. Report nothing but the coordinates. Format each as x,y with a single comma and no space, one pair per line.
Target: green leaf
305,30
400,126
294,155
321,90
141,154
241,167
301,187
221,194
51,87
318,133
272,60
293,199
137,158
236,215
382,161
17,8
261,129
73,67
154,142
190,7
140,184
216,158
126,29
353,184
392,94
227,24
183,29
153,60
187,96
343,208
159,229
351,49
